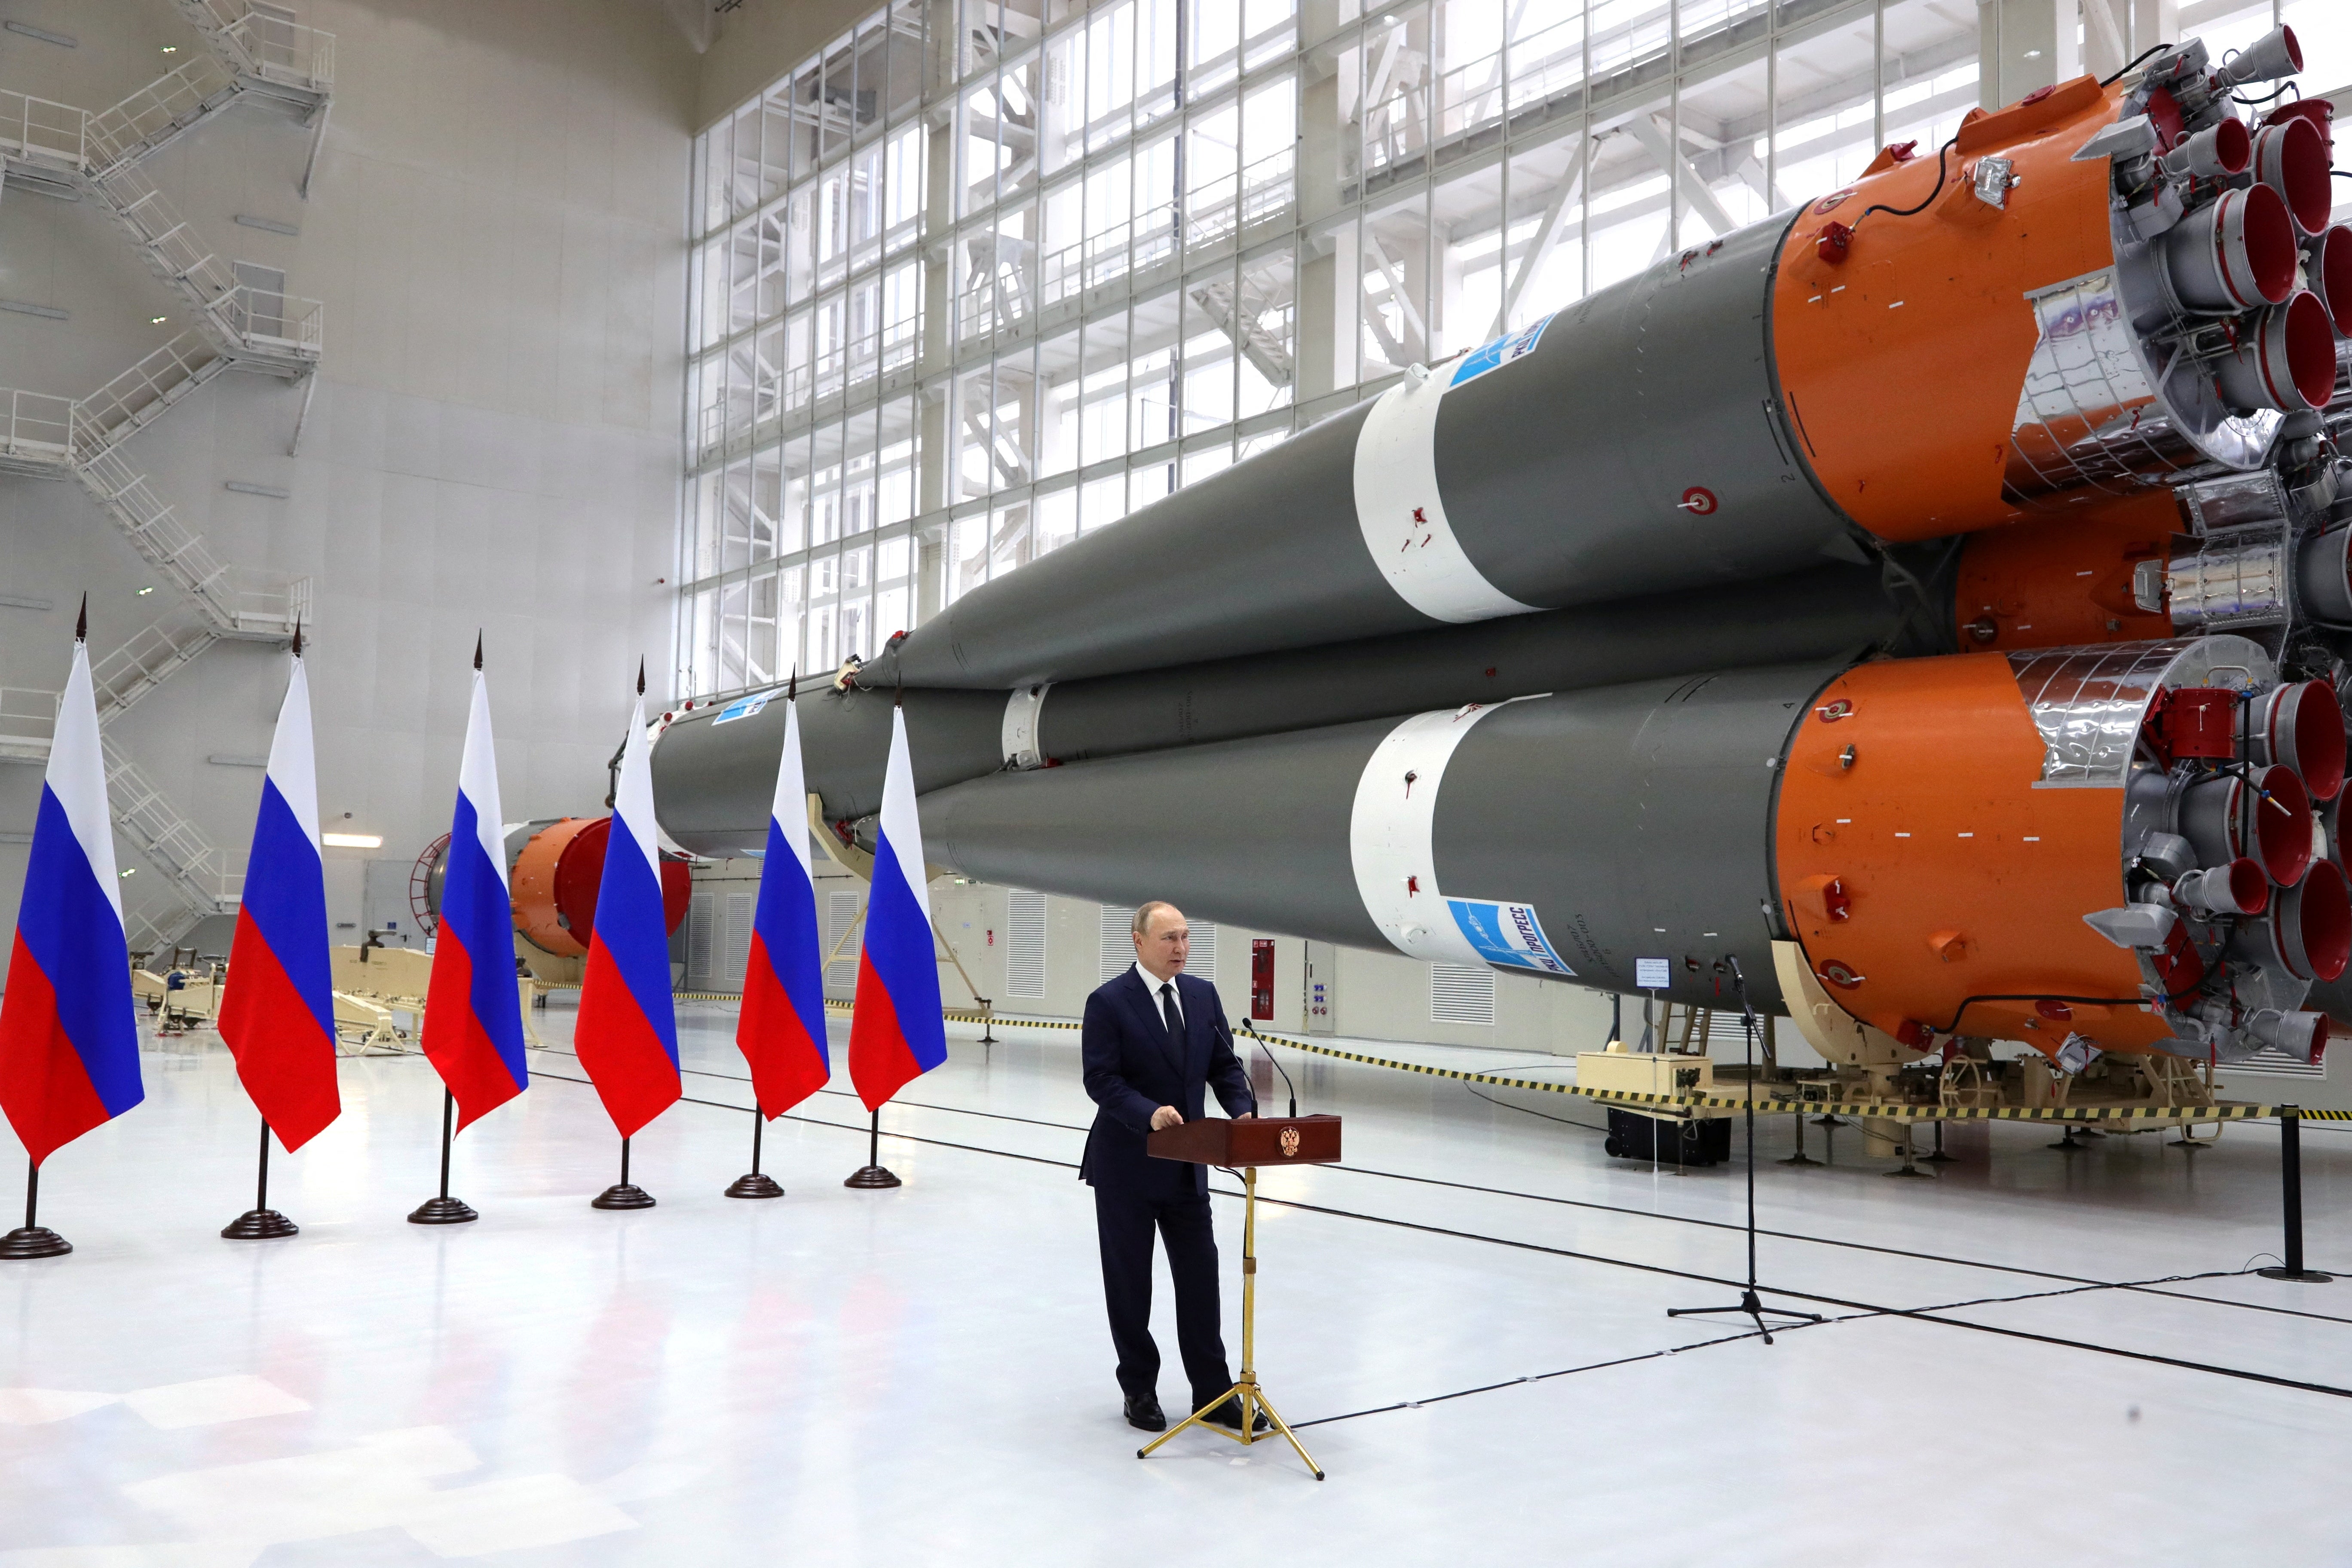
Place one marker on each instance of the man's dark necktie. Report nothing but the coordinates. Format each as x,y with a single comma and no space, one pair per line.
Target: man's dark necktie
1175,1019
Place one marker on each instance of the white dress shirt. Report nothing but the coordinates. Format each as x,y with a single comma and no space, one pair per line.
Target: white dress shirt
1153,985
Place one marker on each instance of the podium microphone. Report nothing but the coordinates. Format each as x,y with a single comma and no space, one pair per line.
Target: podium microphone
1277,1067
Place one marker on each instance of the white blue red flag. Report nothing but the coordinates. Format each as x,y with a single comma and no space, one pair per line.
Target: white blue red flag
896,1033
627,1032
277,1012
69,1037
782,1029
473,1011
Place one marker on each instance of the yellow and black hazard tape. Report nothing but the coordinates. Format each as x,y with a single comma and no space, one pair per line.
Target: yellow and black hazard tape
1870,1109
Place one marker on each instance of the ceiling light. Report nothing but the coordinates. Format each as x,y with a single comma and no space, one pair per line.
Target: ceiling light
144,592
171,49
131,870
2033,54
351,840
157,321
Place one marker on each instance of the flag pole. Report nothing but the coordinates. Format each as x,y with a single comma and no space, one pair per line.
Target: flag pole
622,1194
873,1174
260,1222
754,1185
444,1209
33,1239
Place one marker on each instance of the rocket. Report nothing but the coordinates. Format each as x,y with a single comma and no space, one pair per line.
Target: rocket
1933,600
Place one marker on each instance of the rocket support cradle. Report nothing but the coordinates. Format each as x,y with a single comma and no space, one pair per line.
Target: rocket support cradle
2056,396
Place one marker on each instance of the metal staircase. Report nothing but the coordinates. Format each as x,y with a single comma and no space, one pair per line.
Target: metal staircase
207,880
256,49
53,437
267,51
260,50
274,333
1238,311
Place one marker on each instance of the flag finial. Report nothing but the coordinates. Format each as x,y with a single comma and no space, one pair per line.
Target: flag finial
792,687
641,674
297,637
81,624
478,650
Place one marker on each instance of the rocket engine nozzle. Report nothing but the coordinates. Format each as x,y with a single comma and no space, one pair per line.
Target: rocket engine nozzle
2285,358
2273,54
2240,888
2299,1035
2234,255
2291,158
2225,147
2327,267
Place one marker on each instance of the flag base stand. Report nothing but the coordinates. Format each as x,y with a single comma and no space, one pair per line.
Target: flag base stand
754,1185
873,1174
444,1209
260,1222
32,1239
622,1194
259,1225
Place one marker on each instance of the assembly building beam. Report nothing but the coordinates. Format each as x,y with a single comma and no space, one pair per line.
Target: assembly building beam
1547,232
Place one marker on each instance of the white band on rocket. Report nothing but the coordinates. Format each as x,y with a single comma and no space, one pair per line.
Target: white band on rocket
1389,836
1403,518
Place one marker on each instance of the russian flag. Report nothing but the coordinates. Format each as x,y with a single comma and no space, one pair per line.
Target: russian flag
627,1033
277,1013
69,1037
473,1012
895,1032
782,1029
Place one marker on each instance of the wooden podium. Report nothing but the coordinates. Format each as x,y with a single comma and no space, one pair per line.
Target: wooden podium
1244,1146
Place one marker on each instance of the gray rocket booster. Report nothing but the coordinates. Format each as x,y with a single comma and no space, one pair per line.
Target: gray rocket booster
714,770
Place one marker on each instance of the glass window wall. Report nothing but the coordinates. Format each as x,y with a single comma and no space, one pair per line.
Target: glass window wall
987,275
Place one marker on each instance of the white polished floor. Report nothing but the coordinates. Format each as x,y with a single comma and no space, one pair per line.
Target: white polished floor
2035,1352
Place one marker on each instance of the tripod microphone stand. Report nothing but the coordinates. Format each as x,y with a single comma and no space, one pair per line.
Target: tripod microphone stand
1749,1304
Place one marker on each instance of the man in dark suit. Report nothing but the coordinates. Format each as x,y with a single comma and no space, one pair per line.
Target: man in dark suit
1155,1041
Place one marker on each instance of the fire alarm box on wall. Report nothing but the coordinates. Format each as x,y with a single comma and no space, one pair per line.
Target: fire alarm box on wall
1262,979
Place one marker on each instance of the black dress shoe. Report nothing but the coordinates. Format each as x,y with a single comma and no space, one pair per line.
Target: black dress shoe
1143,1411
1229,1414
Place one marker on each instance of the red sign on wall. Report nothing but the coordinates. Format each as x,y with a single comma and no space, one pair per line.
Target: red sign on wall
1262,979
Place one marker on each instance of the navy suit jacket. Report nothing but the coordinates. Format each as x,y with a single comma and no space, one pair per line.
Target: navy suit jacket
1132,1069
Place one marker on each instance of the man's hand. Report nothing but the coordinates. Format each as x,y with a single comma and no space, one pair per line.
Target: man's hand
1165,1117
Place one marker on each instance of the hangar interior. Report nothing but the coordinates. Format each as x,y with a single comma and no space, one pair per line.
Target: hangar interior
730,340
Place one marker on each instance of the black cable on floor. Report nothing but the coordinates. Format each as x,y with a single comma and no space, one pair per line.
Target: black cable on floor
1525,1110
1541,1377
1580,1203
1924,1315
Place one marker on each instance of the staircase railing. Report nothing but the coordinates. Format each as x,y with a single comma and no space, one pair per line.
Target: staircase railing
36,131
284,52
208,877
272,322
156,113
35,429
138,396
28,720
159,536
122,677
172,245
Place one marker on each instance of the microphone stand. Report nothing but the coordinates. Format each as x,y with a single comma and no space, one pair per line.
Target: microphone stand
1748,1305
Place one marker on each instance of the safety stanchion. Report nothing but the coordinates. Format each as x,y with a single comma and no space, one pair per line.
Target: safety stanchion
2290,1198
